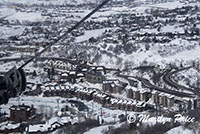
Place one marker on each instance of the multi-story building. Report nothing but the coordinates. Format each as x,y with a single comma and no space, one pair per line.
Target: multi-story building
21,112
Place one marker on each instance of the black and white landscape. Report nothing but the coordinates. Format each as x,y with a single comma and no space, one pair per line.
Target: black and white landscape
131,58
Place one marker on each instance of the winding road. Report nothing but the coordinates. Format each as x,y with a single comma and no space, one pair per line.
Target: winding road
149,85
168,79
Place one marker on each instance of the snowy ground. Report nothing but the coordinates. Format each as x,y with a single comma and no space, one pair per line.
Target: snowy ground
23,16
41,103
45,2
90,33
180,130
6,32
190,76
101,129
6,11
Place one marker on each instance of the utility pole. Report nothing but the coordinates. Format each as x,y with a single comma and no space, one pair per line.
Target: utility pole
101,112
92,106
126,114
58,103
156,112
18,99
101,120
114,116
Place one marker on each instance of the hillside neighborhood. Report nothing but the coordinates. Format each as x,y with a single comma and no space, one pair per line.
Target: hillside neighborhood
130,58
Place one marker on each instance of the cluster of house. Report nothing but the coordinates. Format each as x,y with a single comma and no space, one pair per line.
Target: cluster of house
21,114
77,33
131,23
61,65
96,95
18,114
173,12
63,91
23,49
50,126
62,70
70,72
95,74
7,128
161,98
113,86
71,76
129,105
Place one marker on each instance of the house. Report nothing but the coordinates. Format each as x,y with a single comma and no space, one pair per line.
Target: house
170,100
61,65
80,105
64,77
100,98
63,91
197,103
182,103
92,40
130,106
21,112
85,93
155,97
144,95
133,82
162,99
113,103
166,100
23,49
140,106
112,86
129,92
133,92
120,104
136,94
82,93
93,76
50,126
8,128
72,76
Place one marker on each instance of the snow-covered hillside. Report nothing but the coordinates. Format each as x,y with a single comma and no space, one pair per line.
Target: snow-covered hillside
188,78
47,2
